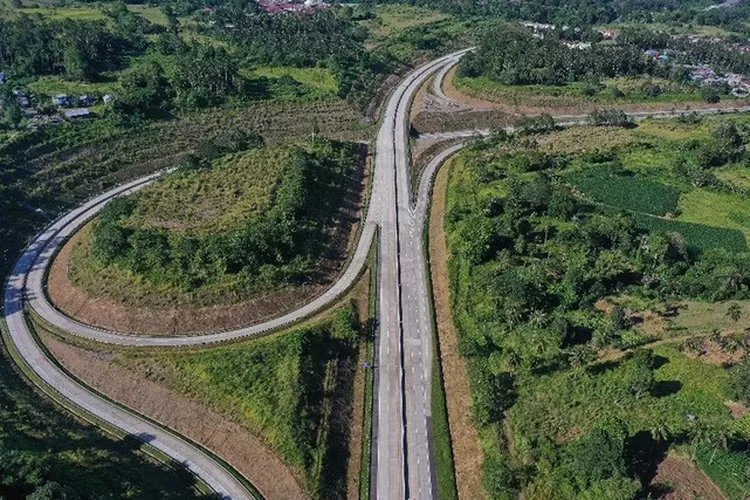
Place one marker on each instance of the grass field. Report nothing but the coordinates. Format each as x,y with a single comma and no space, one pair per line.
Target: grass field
286,388
391,19
220,199
317,78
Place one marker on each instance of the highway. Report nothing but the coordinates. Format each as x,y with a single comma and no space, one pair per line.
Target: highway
403,365
403,368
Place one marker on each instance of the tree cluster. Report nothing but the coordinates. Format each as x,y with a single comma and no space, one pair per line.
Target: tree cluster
271,248
79,49
514,57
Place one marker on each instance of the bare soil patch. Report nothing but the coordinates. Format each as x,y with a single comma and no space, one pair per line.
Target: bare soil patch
245,452
738,410
467,451
182,319
677,478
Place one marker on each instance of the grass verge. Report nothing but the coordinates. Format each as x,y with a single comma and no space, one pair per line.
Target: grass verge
443,445
365,471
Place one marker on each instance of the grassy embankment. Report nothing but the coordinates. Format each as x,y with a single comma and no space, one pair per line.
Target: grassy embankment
288,388
556,395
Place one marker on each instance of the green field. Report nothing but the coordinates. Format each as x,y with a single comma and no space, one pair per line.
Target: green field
284,388
625,191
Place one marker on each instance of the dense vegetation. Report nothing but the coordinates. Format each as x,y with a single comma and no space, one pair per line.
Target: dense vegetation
551,265
247,221
292,389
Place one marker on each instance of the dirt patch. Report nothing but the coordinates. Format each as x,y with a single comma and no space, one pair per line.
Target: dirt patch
245,452
677,478
467,451
651,323
112,314
738,410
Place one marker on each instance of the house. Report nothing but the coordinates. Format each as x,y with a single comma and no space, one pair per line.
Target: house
2,77
652,53
108,98
61,100
79,113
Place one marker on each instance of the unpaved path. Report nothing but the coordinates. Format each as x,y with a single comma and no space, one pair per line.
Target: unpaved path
467,450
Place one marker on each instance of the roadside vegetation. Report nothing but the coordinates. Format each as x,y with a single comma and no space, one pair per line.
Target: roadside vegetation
572,265
46,453
293,389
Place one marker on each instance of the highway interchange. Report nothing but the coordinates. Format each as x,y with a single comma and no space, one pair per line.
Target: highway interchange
404,465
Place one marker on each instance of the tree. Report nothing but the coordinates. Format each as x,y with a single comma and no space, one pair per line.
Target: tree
639,374
660,431
595,458
734,312
145,90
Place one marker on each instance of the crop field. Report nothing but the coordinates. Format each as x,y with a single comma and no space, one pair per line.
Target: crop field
716,209
728,469
700,236
287,388
625,190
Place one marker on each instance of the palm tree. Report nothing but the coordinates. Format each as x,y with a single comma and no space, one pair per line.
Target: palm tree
660,431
